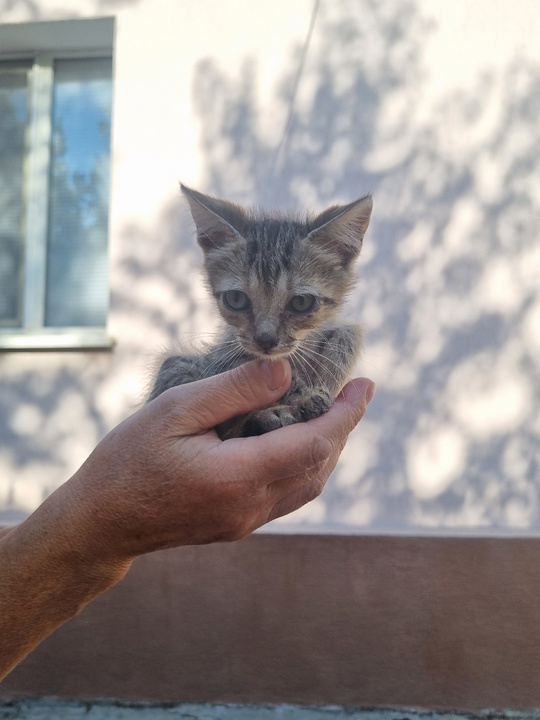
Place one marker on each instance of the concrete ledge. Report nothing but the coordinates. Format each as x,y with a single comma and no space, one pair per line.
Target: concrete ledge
441,623
59,710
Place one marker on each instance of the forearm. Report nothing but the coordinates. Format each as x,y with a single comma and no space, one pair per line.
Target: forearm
47,576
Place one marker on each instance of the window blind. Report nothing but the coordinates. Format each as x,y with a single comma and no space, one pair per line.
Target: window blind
76,276
13,137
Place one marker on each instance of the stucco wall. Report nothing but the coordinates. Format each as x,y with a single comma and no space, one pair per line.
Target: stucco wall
431,106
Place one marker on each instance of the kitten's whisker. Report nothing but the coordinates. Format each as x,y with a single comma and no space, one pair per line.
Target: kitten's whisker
336,347
299,365
327,343
312,368
230,355
309,352
228,347
222,361
375,367
221,365
327,371
314,355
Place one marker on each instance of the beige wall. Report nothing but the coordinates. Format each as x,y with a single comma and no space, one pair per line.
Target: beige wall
432,106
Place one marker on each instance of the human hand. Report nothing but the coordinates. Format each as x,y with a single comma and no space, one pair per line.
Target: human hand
163,478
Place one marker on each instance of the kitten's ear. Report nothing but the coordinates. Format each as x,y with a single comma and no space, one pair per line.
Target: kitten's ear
341,228
218,222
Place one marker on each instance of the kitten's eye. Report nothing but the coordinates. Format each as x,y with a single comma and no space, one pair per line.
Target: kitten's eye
236,300
302,304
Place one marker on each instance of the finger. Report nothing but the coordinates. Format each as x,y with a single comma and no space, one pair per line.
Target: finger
293,449
318,440
300,496
202,405
292,493
358,390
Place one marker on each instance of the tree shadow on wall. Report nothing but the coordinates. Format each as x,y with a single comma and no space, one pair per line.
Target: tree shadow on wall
55,407
29,6
446,294
158,300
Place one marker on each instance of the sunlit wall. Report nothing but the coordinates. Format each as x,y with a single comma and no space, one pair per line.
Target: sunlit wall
433,107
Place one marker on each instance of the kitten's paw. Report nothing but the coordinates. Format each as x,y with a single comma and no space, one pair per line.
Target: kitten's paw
257,422
313,406
260,422
263,421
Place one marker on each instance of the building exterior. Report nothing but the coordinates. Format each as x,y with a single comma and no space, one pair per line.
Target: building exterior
433,107
298,108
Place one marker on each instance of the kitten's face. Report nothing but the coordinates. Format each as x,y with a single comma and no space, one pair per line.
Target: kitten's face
276,279
273,287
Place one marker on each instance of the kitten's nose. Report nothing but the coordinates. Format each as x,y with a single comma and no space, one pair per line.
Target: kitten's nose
266,340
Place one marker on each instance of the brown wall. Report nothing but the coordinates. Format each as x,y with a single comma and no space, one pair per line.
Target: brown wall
365,621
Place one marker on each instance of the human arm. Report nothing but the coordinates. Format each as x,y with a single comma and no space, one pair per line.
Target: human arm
162,478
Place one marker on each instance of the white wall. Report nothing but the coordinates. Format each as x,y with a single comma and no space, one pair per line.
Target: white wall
432,106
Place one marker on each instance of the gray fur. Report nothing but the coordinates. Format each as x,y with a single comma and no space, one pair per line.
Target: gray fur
266,260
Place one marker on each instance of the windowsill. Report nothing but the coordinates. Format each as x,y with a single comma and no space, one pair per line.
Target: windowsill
56,339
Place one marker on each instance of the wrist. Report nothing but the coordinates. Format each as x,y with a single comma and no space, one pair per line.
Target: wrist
79,541
48,576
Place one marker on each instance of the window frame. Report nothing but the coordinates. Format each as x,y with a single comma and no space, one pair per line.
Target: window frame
32,334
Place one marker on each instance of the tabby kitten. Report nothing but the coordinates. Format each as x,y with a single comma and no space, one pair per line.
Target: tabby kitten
278,283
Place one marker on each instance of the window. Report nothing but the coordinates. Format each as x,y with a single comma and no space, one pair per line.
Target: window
55,119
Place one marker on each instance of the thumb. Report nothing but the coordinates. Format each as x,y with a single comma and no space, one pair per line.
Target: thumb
205,403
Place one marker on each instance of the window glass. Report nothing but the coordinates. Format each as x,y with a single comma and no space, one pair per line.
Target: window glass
13,140
76,280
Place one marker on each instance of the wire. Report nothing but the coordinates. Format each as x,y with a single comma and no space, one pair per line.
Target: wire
287,131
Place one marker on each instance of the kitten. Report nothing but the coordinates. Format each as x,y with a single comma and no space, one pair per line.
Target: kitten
278,283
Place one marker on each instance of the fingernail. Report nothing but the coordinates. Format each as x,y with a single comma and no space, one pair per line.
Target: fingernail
365,387
274,373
